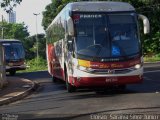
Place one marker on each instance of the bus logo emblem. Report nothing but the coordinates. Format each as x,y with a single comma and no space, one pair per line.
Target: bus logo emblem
111,71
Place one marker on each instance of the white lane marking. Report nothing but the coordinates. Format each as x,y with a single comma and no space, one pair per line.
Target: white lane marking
152,71
148,79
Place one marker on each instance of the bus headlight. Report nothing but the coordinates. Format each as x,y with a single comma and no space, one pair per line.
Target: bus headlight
137,66
82,65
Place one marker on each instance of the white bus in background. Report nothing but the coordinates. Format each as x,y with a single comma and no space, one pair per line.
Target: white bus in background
94,44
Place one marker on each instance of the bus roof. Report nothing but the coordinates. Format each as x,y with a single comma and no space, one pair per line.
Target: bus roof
96,6
100,6
9,40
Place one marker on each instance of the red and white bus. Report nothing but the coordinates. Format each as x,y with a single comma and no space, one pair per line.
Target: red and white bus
96,44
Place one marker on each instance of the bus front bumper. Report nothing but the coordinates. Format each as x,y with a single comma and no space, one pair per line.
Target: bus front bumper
105,81
18,67
81,78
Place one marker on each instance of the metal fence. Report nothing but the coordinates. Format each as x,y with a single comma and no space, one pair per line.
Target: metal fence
2,67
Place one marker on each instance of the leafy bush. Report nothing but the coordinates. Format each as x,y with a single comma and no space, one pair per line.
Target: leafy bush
154,58
36,65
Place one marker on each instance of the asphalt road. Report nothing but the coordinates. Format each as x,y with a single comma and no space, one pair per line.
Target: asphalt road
51,100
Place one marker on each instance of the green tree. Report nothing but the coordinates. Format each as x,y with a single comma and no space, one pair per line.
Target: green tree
9,4
14,30
51,12
30,44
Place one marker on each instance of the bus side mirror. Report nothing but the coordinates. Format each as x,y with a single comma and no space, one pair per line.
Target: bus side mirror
145,23
70,26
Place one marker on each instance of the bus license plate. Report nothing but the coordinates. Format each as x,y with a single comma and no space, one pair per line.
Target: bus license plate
111,79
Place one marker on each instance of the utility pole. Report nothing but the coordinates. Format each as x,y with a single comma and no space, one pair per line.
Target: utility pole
2,28
36,14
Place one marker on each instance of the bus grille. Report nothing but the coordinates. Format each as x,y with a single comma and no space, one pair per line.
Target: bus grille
113,71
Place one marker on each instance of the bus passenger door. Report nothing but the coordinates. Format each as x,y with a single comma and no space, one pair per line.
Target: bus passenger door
58,60
52,60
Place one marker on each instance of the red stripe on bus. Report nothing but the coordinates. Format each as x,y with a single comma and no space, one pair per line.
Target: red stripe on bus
105,81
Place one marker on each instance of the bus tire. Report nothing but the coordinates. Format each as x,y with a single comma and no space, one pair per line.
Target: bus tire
12,72
70,88
54,79
122,87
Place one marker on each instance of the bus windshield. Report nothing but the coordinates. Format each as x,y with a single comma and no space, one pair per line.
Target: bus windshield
14,51
106,35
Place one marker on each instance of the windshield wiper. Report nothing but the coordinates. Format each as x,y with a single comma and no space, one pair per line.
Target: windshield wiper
100,48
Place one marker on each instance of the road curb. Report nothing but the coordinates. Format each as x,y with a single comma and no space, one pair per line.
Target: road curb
21,95
152,62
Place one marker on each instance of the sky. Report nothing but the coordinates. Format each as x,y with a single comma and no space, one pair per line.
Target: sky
24,13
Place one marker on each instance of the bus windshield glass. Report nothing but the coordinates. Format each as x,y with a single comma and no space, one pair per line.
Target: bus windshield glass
106,35
14,51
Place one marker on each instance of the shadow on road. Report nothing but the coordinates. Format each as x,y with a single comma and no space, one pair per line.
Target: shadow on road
44,79
34,75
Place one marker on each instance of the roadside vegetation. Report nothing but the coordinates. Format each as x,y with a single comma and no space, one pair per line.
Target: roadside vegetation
36,65
154,58
30,45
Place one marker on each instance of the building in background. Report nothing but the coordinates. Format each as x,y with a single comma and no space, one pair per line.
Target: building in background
12,17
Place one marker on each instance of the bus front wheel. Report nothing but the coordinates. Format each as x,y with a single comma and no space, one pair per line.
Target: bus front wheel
12,72
70,88
54,79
